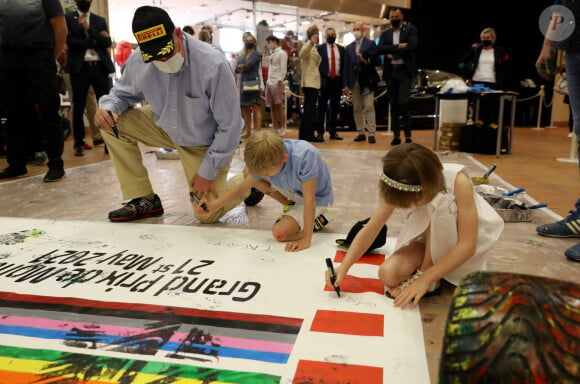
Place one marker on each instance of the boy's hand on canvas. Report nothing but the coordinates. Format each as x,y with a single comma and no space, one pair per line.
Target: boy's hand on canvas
298,245
412,294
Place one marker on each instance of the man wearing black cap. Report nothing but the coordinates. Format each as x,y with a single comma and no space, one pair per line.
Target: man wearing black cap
190,90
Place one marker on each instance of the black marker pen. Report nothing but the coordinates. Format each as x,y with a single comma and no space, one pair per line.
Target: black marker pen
196,199
332,275
115,129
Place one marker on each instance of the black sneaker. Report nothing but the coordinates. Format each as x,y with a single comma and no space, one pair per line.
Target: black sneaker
9,173
323,220
360,137
372,140
54,175
396,141
255,197
79,151
137,209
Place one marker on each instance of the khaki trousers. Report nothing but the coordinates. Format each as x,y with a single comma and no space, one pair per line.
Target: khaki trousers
364,110
137,125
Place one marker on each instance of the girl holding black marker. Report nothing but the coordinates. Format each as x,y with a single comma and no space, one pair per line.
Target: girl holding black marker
447,232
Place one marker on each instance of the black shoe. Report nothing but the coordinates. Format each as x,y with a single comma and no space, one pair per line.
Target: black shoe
396,141
408,140
336,137
372,140
360,137
137,209
79,151
255,197
56,174
9,173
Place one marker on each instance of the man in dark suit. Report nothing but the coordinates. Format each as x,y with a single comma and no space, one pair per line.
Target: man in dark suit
360,78
88,63
331,75
399,44
32,35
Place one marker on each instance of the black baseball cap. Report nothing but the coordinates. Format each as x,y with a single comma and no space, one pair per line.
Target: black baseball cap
379,241
153,30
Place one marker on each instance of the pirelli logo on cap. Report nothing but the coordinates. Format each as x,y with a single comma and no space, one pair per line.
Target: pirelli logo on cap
150,34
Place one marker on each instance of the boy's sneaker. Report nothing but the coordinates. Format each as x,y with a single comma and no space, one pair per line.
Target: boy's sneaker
137,209
573,253
323,220
54,174
568,227
255,197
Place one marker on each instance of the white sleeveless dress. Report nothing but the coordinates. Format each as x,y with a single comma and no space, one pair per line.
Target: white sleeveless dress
441,214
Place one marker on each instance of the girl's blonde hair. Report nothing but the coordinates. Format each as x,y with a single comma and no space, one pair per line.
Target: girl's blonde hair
264,151
412,174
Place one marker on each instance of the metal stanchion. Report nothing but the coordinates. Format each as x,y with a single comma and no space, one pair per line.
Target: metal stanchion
540,105
389,130
573,155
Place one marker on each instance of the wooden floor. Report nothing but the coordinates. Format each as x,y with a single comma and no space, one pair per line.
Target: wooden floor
89,192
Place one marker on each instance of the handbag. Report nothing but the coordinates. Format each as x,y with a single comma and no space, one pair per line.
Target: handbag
250,85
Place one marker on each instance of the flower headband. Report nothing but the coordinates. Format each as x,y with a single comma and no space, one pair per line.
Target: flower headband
400,186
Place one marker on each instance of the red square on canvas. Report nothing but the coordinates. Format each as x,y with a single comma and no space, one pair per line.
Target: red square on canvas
353,284
349,323
373,259
322,372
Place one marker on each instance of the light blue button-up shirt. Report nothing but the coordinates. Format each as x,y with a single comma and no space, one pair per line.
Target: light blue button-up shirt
304,163
197,106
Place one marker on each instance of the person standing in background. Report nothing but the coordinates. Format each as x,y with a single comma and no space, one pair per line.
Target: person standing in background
557,36
399,44
189,29
275,88
361,79
486,63
310,83
331,83
88,63
32,36
249,67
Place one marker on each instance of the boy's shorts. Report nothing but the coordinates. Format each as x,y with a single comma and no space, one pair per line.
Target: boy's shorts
297,210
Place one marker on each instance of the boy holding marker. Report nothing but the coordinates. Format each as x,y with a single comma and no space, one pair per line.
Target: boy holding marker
292,172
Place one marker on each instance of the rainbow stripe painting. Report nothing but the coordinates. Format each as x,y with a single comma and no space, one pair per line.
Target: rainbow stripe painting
180,334
101,303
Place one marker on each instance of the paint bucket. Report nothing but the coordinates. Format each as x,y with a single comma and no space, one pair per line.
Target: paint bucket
485,178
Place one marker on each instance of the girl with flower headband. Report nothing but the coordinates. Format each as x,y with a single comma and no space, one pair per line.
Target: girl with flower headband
447,232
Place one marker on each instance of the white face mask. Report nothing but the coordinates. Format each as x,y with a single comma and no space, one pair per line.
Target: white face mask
172,65
357,35
270,46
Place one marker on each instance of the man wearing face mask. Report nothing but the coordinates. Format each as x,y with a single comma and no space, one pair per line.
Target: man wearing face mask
360,78
399,44
331,75
191,94
485,63
88,63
